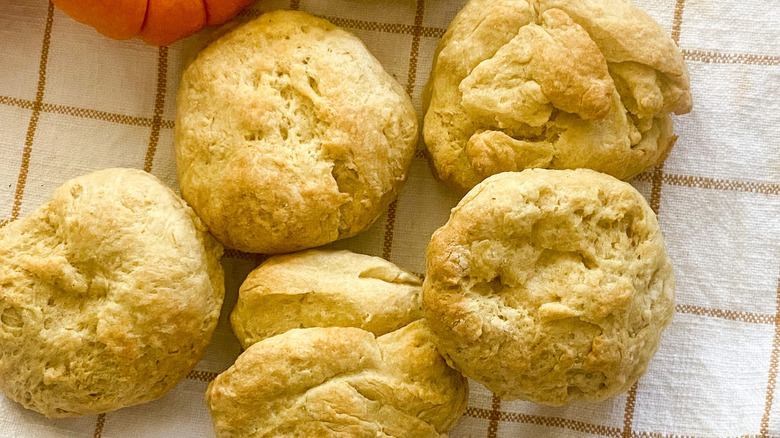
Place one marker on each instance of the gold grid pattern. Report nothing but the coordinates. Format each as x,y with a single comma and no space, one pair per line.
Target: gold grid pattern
495,415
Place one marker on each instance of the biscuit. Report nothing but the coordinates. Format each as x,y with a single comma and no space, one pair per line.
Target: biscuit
339,382
559,84
550,285
319,288
109,293
290,135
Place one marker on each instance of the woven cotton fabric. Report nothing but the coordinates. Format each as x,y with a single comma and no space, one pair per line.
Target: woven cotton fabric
72,101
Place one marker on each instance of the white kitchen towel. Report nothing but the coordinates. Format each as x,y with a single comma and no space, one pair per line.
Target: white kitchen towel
72,101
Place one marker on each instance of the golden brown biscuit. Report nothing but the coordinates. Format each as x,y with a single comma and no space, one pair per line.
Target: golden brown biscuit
559,84
109,293
550,285
339,382
319,288
290,135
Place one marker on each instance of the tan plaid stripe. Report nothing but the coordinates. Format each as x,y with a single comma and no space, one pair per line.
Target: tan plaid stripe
240,255
480,413
721,184
679,7
538,420
577,426
100,423
203,376
21,180
12,101
730,58
159,105
731,315
628,417
415,52
493,417
85,113
657,177
562,423
104,116
771,383
711,183
404,29
387,244
670,435
374,26
424,31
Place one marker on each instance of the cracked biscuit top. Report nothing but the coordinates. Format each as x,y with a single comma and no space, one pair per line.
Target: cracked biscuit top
339,382
550,285
290,135
109,294
325,288
559,84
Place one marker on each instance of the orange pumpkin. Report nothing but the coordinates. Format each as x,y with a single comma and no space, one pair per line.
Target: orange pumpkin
157,22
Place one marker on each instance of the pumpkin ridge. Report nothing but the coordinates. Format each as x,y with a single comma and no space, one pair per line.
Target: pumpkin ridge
206,10
146,18
168,21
